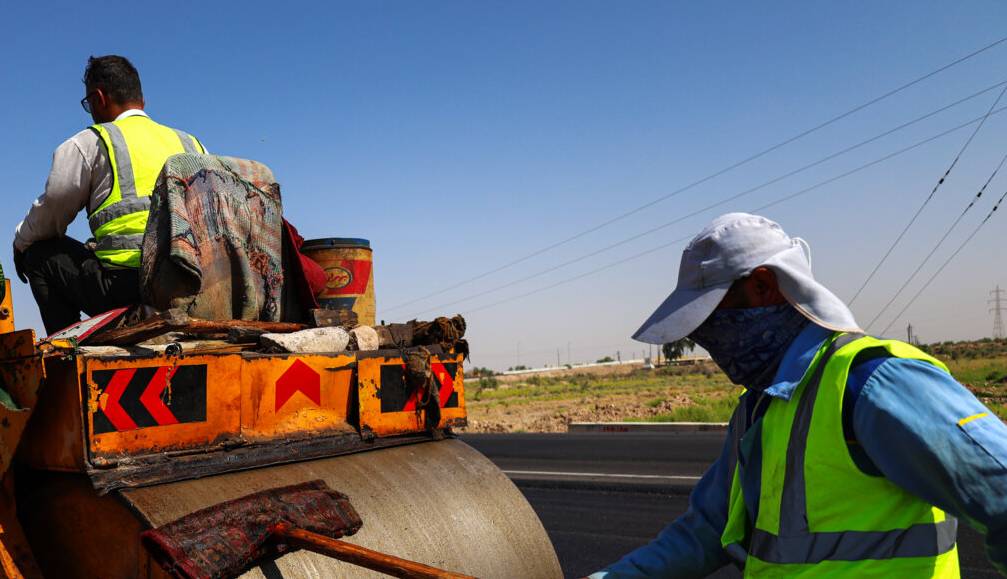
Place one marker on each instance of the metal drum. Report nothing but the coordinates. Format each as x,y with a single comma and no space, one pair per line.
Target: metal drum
438,503
349,274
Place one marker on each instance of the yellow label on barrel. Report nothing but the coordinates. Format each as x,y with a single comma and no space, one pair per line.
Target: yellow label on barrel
337,278
349,276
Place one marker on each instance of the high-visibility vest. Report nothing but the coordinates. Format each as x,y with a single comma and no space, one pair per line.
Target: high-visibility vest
137,149
816,513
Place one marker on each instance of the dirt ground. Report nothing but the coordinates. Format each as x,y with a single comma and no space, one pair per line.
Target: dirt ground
696,392
555,415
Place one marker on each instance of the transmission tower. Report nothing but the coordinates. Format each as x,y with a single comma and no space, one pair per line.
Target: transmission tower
999,305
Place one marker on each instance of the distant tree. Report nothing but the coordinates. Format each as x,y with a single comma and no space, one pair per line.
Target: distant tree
605,359
677,349
480,372
516,368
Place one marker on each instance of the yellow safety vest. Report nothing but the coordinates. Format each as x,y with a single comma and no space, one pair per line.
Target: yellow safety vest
816,514
137,149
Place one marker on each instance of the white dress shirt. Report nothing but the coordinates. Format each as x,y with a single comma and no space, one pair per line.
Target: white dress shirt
81,177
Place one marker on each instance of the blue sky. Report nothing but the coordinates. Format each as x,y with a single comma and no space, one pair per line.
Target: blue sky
458,136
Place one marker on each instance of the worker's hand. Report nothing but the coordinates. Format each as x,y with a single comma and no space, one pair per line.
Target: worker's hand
19,264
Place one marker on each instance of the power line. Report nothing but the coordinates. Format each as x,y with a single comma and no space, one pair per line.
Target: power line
947,261
679,219
698,182
975,198
927,200
776,202
706,208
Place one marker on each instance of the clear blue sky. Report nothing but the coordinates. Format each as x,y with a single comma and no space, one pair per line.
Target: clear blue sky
458,136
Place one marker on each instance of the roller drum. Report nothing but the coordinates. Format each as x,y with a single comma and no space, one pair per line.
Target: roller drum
439,503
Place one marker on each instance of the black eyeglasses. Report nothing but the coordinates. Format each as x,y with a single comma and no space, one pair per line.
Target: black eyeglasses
85,103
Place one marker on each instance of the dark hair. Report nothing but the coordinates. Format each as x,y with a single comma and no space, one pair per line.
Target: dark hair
116,76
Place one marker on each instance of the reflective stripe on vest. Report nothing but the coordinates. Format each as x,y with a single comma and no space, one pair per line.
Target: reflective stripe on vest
137,149
795,543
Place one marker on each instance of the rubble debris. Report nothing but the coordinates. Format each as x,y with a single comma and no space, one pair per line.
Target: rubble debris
175,320
443,331
395,335
310,341
420,379
346,318
365,338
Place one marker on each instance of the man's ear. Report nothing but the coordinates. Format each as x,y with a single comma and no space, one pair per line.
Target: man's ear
766,287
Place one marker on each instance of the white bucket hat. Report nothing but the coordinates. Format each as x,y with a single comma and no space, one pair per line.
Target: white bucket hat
729,248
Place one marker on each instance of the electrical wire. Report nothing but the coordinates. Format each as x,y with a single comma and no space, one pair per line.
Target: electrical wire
926,259
946,262
927,200
540,273
768,205
709,177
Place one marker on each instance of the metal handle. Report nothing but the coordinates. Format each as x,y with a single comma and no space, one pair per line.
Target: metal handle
357,555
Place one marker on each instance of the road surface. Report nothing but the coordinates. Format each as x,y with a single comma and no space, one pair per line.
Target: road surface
601,495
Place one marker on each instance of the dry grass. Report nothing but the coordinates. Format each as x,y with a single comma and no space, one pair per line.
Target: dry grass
548,404
694,394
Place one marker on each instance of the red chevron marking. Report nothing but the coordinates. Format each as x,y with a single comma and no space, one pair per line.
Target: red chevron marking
113,411
151,397
414,398
447,381
447,387
298,378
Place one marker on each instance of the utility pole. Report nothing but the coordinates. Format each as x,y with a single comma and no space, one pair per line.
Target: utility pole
568,354
557,357
909,333
999,305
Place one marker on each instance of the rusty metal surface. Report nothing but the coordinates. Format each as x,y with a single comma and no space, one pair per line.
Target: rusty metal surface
389,407
74,533
153,405
6,308
284,399
54,438
161,468
139,416
21,373
439,503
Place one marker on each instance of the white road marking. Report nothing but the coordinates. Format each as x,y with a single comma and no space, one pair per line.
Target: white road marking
601,475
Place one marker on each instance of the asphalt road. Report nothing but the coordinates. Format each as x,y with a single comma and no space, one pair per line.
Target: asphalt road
600,495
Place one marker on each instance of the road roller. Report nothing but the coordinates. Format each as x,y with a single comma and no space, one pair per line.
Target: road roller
104,444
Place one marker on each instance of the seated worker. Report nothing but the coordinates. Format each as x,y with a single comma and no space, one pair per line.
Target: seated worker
108,168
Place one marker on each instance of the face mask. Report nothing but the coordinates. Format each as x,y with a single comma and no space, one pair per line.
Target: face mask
748,343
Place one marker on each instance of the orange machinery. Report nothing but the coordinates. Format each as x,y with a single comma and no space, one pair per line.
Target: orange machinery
121,439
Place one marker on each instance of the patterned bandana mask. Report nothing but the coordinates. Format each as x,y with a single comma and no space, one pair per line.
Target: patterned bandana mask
748,343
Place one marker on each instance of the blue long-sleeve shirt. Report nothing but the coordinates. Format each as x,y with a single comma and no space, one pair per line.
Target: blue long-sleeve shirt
944,446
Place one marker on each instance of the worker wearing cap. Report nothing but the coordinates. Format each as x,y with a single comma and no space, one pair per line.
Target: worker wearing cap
847,456
109,169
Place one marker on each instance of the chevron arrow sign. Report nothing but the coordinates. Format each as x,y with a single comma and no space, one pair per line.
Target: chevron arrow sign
134,398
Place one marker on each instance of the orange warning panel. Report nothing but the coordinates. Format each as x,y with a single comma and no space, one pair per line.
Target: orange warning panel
388,406
296,395
137,405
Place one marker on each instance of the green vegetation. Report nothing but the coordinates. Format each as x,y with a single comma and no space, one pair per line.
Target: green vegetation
678,348
700,392
986,377
702,409
953,351
688,386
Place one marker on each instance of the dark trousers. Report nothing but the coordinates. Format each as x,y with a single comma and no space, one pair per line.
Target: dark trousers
66,279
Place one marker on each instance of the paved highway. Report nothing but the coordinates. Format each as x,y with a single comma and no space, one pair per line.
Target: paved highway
601,495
